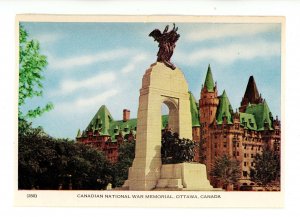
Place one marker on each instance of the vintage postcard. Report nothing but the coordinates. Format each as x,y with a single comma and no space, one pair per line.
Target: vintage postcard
150,111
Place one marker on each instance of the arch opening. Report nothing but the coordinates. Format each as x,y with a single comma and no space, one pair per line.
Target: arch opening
170,106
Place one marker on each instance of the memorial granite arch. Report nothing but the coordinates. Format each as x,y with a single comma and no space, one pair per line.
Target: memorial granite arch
164,83
160,84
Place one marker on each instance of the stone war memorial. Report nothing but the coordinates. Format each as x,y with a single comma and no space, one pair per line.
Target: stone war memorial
163,83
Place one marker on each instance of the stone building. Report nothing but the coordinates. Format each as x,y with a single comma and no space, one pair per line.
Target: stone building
239,134
106,134
219,129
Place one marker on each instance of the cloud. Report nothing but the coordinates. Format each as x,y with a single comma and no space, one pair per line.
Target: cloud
230,30
83,60
102,79
70,86
231,52
46,38
135,61
82,104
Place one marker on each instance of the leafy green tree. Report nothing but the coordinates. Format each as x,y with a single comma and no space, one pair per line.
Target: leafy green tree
266,168
176,150
31,66
125,159
226,171
48,163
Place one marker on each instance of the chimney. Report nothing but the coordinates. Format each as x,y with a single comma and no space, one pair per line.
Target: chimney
126,115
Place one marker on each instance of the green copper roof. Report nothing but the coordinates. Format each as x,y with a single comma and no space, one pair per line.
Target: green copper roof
101,121
248,121
209,81
105,124
262,114
194,111
224,109
121,127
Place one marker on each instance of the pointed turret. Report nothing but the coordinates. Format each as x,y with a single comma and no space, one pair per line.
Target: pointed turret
251,95
209,81
208,99
224,109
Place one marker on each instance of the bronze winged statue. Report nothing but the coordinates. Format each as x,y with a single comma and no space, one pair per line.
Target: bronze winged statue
166,43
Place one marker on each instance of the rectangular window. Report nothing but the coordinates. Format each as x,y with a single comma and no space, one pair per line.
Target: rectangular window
245,163
252,156
245,147
245,155
245,173
237,153
225,145
252,164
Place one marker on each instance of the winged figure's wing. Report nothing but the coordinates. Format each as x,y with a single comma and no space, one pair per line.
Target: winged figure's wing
155,34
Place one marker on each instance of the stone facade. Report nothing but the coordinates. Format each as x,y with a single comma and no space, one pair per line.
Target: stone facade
240,135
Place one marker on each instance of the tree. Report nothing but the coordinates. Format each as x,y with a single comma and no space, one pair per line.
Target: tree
125,159
266,168
31,66
226,171
176,150
48,163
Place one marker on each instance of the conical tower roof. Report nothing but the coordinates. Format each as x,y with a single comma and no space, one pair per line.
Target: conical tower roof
101,120
224,109
251,94
209,81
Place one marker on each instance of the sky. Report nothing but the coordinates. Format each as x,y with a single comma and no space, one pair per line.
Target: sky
94,64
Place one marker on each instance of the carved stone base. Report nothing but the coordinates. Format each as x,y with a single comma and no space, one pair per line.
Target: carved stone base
184,176
180,177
